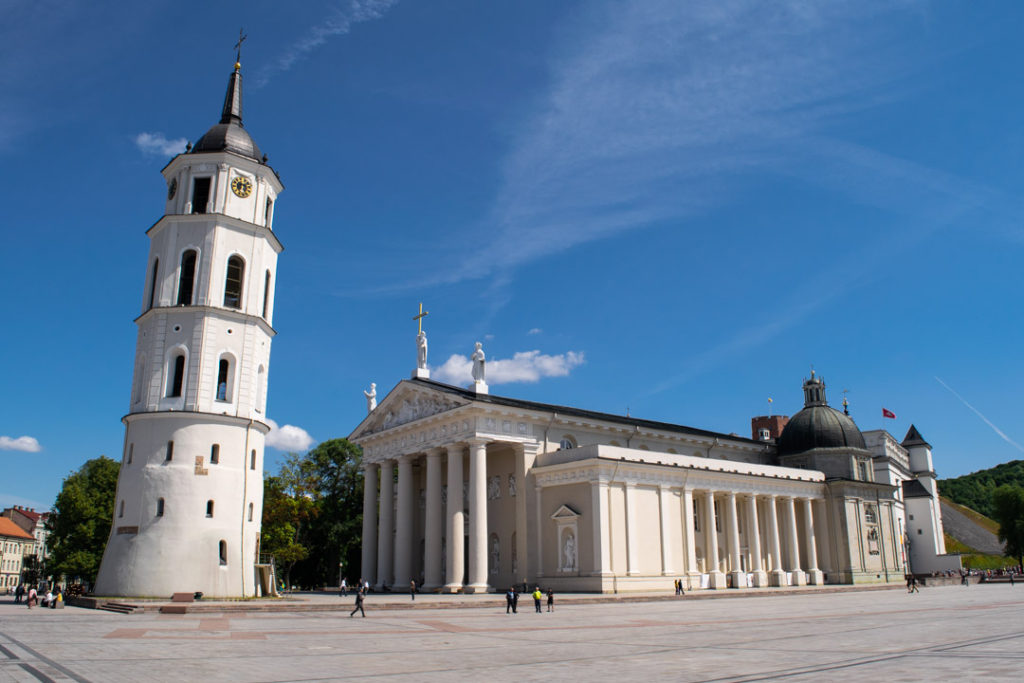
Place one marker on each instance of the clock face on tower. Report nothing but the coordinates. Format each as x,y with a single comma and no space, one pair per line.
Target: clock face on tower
241,186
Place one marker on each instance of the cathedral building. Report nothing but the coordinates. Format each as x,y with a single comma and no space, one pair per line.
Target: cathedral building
190,492
493,491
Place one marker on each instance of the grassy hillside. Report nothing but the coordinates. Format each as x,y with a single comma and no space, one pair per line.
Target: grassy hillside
974,560
975,490
976,517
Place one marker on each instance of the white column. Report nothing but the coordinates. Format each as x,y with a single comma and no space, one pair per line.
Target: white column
454,563
369,568
739,578
760,577
778,575
385,537
525,455
599,506
477,517
794,544
403,525
715,576
689,536
541,525
434,523
814,575
631,539
667,542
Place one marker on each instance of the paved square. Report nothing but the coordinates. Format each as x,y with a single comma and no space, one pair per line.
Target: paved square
943,633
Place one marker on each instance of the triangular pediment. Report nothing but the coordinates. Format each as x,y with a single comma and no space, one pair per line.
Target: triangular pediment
565,512
407,402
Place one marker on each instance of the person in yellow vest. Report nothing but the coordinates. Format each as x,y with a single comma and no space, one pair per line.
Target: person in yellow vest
537,595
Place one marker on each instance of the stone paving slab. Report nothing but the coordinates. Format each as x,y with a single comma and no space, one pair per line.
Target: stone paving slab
948,633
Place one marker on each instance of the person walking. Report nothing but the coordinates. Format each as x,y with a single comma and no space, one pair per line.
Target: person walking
359,606
32,594
551,600
537,595
20,591
412,589
509,601
344,588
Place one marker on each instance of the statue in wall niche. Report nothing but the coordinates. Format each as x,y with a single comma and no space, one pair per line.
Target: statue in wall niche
494,555
421,350
444,496
371,398
478,359
493,488
511,486
515,560
569,553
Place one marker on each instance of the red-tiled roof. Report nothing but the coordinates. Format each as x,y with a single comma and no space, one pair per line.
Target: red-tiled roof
10,529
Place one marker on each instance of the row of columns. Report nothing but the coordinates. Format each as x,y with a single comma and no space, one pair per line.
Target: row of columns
387,560
787,535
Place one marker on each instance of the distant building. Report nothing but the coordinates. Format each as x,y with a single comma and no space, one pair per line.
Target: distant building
14,542
33,523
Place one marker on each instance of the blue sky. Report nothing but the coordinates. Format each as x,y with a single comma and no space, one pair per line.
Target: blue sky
667,208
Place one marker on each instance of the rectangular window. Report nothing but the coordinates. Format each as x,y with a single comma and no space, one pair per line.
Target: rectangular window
170,451
215,454
200,194
222,379
268,212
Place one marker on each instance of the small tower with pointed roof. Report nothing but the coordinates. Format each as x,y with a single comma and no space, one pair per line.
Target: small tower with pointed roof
190,492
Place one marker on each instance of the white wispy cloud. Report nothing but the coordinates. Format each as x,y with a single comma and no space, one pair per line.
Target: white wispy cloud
535,330
288,437
25,444
339,22
523,366
997,430
157,144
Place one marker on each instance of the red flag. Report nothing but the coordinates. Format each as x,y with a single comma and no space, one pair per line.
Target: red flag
888,413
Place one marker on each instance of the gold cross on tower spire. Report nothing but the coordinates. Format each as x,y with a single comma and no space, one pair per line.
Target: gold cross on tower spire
419,318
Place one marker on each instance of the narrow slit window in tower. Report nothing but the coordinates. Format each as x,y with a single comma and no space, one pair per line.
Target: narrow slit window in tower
131,452
178,377
233,282
223,553
209,508
120,509
186,277
159,507
252,460
250,512
200,194
266,295
268,212
215,454
170,451
153,283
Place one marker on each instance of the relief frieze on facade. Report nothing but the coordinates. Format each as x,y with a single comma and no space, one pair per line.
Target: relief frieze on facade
409,409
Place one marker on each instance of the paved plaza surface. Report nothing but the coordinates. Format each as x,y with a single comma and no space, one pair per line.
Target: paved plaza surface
943,633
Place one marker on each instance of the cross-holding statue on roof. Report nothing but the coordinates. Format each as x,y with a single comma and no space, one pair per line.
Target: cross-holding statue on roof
421,345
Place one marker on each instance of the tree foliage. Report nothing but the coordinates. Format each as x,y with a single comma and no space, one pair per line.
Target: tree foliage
975,490
312,514
80,522
1008,504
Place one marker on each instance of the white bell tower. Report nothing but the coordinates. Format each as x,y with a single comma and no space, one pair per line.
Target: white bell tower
190,493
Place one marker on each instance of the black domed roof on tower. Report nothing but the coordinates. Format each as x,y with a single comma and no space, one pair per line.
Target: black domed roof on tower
818,425
229,135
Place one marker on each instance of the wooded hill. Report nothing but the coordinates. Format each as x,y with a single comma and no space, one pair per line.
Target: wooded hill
975,490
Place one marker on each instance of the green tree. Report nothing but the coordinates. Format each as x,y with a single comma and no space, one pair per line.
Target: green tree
1008,505
286,511
329,476
79,524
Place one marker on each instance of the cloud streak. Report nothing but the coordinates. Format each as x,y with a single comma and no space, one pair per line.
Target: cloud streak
288,437
523,366
157,144
339,22
997,430
25,444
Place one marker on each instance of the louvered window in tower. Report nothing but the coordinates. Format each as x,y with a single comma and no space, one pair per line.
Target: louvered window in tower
186,277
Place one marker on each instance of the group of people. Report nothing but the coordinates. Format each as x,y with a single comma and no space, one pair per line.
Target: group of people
512,600
679,587
53,598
